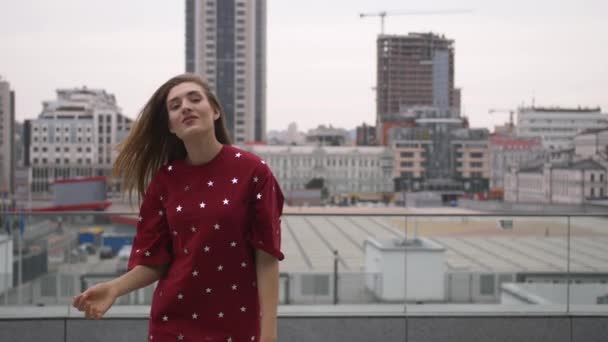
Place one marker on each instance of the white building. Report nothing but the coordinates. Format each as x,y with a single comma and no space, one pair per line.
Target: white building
362,169
561,183
592,142
557,127
226,45
7,140
75,136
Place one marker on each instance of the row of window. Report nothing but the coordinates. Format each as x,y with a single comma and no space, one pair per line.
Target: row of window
78,161
58,149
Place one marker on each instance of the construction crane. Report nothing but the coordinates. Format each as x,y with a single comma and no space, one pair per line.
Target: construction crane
384,14
511,114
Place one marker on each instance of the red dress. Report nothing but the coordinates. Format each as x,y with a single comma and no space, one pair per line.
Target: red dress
206,222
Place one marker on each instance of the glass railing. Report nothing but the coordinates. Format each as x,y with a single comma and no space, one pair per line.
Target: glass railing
420,262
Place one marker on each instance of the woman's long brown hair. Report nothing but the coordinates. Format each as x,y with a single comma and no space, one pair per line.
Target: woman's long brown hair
150,144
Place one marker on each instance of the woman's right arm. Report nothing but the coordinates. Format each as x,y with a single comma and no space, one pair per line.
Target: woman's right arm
98,299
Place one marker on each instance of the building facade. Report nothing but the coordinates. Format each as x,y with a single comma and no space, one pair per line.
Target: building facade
592,142
366,135
226,45
414,70
559,183
7,138
74,136
343,169
506,150
557,127
471,156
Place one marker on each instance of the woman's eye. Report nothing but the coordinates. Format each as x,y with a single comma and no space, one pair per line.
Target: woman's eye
195,99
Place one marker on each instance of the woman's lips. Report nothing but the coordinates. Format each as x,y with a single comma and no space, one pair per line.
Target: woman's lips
188,118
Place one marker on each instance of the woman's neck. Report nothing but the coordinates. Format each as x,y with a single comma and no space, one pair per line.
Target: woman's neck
202,149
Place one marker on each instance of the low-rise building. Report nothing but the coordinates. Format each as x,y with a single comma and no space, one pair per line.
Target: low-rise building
362,169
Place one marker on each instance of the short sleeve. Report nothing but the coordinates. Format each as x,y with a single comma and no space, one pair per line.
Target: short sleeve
152,243
267,204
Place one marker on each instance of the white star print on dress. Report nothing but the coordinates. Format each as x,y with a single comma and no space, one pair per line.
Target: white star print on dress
194,315
259,196
226,201
255,179
243,309
179,208
208,290
148,253
165,318
220,268
180,337
210,184
195,273
202,205
234,180
220,315
233,244
207,249
180,296
170,168
216,226
238,155
234,287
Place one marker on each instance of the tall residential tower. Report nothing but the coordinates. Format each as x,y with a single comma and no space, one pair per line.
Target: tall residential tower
7,138
226,45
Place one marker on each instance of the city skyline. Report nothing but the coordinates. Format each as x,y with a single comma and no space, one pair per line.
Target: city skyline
504,56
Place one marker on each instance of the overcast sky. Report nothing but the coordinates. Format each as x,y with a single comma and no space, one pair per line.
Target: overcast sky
321,55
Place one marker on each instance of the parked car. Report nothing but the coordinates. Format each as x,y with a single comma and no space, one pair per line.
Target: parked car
123,258
106,252
88,247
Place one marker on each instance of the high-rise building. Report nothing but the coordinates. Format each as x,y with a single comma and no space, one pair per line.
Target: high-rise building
415,70
75,136
7,138
226,45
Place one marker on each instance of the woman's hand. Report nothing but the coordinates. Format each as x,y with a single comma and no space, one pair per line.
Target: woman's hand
96,300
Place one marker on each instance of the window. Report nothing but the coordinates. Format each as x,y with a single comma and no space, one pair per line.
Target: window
593,177
315,284
407,154
407,164
476,155
476,164
486,284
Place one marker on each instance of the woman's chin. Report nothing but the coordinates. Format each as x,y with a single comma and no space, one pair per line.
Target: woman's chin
193,131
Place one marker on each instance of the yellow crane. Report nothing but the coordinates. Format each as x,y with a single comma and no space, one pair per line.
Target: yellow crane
384,14
511,115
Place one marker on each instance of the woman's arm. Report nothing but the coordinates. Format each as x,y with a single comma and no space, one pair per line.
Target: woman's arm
267,270
98,299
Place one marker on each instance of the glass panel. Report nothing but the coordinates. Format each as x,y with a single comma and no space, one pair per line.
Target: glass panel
486,263
588,286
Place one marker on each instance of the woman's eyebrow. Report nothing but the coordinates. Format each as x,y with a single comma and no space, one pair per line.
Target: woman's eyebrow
190,93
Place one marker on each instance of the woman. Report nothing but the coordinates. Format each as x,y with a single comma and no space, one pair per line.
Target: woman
209,224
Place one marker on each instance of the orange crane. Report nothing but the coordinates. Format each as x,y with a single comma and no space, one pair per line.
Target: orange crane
384,14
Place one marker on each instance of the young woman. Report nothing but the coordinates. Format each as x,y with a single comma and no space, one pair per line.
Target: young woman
209,224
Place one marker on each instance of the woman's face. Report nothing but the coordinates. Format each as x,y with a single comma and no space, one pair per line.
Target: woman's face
190,111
